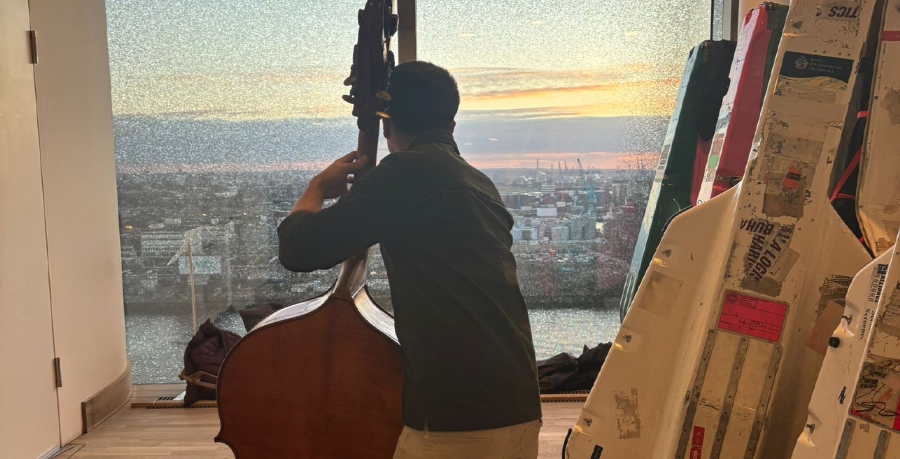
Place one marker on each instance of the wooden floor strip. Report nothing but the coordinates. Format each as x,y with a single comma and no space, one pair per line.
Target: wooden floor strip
134,433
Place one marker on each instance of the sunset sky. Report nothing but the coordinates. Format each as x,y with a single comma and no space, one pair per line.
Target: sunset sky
529,66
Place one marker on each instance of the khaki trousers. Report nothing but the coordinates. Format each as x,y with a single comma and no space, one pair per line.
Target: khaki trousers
514,442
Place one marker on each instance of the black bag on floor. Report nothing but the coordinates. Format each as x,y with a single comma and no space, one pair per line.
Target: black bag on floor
564,373
202,359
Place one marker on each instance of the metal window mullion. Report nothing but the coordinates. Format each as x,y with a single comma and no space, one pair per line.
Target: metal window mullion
731,12
406,32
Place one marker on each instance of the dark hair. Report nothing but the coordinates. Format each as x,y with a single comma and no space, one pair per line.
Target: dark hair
423,96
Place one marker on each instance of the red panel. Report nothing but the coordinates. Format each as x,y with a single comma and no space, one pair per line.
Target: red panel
745,97
700,158
751,316
897,418
697,437
697,442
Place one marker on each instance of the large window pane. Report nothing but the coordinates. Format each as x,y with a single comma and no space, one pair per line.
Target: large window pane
223,111
544,85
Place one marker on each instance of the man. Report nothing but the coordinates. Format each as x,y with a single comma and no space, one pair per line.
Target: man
470,388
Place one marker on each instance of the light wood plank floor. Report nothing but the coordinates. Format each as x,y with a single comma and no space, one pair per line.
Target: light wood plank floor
187,433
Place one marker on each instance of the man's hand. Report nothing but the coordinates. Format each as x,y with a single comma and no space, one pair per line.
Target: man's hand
330,183
333,181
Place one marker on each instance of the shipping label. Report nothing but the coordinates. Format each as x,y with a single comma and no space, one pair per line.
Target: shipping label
754,317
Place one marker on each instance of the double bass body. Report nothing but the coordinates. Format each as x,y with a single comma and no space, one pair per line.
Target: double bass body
320,379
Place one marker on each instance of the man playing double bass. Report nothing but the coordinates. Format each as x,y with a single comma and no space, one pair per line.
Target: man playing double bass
470,379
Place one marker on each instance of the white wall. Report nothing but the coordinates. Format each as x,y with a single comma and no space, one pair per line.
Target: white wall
78,163
28,413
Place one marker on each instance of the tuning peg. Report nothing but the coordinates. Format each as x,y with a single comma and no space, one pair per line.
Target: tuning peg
383,95
349,99
349,80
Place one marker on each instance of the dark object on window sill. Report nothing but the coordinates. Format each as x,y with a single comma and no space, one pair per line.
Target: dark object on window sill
563,372
204,355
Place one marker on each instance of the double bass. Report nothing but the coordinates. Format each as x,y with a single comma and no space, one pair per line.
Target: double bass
322,378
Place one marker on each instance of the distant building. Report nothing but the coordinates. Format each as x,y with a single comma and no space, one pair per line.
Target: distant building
160,244
546,211
516,234
528,234
576,229
559,233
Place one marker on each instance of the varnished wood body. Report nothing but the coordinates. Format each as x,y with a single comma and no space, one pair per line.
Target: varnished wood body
321,379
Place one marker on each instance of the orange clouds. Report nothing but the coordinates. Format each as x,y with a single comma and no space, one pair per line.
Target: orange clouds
639,98
626,90
621,90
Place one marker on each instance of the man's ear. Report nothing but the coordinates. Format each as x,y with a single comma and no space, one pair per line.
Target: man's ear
386,124
452,127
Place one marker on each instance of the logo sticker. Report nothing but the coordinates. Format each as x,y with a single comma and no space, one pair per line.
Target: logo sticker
805,66
841,11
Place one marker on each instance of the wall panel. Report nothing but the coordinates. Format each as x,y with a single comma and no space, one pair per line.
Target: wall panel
28,411
78,160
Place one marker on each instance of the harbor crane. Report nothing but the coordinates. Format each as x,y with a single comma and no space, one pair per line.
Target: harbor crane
591,204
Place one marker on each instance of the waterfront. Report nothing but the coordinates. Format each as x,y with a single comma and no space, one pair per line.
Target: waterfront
157,341
573,238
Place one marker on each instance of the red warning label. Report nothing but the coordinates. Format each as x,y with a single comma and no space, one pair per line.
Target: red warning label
697,442
754,317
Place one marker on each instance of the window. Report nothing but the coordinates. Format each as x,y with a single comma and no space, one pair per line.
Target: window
716,25
224,110
545,85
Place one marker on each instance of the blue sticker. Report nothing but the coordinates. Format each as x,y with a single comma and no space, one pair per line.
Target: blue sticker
801,65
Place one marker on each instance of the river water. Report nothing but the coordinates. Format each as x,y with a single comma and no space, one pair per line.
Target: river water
156,342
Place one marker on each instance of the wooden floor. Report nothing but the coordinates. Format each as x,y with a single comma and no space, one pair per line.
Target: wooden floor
188,433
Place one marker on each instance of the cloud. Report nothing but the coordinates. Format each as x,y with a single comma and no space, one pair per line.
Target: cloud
232,96
641,98
625,90
473,81
612,91
517,113
167,144
207,114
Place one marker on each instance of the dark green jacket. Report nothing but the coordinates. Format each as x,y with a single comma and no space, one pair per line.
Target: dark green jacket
460,317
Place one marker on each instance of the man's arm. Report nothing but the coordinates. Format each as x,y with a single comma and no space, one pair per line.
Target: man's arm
312,238
330,183
311,200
